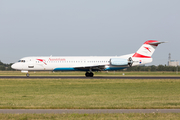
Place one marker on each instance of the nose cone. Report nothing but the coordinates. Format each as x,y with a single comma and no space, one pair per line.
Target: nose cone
15,66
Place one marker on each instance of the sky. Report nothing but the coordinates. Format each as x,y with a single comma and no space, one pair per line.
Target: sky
88,28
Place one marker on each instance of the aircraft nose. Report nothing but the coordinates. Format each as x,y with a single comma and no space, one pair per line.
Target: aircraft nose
14,66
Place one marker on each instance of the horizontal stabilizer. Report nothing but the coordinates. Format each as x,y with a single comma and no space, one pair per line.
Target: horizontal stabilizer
156,43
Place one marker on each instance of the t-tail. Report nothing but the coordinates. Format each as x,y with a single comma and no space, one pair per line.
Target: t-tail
143,55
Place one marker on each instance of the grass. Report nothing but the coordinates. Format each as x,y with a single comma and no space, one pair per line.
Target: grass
104,73
89,94
127,116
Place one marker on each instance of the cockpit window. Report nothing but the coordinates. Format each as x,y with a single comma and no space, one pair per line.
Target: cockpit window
21,61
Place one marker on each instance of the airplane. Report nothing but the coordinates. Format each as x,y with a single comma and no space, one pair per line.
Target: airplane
88,64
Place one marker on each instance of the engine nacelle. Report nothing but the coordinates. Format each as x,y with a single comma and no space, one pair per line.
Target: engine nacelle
119,62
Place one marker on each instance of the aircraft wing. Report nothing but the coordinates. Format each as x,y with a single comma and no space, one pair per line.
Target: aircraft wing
90,67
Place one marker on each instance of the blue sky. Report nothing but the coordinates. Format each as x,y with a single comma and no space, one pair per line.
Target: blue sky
88,28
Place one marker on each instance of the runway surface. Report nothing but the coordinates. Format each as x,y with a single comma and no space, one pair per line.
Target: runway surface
86,111
83,77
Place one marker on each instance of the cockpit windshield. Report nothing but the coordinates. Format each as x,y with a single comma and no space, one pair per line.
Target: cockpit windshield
21,61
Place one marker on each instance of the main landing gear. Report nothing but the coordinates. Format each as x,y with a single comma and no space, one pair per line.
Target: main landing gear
89,74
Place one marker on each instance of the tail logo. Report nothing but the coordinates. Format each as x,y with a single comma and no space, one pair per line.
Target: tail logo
147,49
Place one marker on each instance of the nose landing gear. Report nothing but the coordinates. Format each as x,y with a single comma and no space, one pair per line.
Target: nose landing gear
27,75
89,74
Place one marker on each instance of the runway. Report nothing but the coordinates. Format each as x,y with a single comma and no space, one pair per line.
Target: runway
86,111
83,77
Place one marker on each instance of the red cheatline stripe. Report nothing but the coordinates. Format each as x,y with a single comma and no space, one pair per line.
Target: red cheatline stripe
140,56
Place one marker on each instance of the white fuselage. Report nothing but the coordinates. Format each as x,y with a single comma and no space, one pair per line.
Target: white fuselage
88,64
71,63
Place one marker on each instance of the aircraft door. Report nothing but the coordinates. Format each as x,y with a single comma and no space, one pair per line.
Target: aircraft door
31,64
40,64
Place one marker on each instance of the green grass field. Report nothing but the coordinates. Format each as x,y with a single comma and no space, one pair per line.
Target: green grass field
103,73
130,116
89,94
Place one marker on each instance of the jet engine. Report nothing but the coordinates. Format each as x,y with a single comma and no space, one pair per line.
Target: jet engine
121,62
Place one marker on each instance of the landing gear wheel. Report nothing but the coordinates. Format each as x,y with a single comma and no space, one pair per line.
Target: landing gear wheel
27,75
89,74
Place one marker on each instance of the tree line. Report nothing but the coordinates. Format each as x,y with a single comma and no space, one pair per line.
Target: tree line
7,67
153,68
